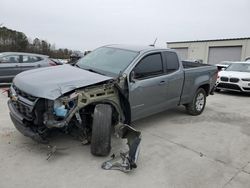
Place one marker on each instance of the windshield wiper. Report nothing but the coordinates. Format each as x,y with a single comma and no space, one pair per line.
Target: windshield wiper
91,70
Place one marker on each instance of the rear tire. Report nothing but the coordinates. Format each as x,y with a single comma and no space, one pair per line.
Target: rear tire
101,130
198,103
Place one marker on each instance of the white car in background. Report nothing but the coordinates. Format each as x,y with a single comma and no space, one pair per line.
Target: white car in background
224,64
235,78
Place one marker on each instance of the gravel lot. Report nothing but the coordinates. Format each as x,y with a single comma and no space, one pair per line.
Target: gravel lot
178,150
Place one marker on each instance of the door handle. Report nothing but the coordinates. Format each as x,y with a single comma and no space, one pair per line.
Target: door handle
162,82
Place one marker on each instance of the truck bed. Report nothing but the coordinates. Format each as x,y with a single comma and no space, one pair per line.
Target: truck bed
191,64
196,73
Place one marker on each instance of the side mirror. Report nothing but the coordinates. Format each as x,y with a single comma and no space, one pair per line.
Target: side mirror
132,77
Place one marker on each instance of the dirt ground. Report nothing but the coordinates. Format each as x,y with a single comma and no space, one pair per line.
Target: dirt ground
178,150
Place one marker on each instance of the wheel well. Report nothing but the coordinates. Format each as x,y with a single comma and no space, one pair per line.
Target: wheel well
206,87
122,110
116,113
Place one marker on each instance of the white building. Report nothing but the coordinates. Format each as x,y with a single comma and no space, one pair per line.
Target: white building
213,51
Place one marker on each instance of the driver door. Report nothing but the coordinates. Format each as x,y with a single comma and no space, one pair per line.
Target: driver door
148,87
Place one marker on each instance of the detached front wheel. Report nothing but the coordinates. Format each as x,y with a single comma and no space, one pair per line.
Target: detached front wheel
101,130
198,103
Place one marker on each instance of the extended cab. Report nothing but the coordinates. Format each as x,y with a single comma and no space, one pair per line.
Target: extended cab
112,85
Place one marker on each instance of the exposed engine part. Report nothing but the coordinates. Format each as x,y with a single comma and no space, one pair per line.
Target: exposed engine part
61,111
127,160
78,117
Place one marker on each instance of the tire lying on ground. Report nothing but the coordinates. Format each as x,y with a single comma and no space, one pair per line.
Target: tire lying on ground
101,130
198,103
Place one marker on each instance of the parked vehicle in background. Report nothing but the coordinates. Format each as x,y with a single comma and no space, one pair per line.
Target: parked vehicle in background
74,57
194,60
59,61
223,65
86,52
111,86
235,78
12,63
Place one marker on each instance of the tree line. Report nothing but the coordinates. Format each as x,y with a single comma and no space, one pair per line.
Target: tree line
15,41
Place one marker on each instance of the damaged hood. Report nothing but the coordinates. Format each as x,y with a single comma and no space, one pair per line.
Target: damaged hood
52,82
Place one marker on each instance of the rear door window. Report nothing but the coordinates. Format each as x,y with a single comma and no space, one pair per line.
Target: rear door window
30,59
172,62
10,59
149,66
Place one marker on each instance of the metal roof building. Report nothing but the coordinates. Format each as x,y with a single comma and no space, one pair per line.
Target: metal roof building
213,51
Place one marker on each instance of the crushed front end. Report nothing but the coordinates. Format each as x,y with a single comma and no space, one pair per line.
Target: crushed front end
72,113
23,114
35,117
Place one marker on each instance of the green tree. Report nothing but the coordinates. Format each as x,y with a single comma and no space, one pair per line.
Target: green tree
11,40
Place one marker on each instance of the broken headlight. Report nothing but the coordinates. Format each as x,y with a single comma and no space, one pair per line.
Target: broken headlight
64,104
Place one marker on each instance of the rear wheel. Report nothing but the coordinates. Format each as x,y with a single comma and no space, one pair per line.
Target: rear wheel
101,130
198,103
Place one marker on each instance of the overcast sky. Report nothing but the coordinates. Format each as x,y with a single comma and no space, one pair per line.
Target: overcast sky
81,24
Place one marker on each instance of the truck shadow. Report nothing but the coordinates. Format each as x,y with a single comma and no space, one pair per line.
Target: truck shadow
69,145
162,117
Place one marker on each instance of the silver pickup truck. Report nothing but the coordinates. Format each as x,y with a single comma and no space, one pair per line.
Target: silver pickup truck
112,86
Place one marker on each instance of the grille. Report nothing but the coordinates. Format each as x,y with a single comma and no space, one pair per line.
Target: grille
23,109
246,88
225,79
246,79
229,86
23,94
234,80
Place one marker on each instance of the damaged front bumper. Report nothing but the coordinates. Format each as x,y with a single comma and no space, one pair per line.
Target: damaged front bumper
19,122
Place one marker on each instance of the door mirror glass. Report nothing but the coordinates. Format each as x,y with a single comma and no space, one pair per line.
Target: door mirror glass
132,77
